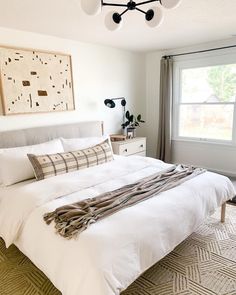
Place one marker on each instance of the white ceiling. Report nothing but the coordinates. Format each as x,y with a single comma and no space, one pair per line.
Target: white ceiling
193,22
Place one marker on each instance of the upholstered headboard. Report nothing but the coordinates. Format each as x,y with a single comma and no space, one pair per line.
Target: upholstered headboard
37,135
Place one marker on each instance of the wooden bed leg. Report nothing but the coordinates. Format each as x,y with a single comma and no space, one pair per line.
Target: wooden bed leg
223,209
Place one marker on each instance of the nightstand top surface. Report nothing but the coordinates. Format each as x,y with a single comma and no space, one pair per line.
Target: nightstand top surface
128,140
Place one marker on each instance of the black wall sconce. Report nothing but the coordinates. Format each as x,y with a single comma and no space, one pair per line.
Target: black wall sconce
110,103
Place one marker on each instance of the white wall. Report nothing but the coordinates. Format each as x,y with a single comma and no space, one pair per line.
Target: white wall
220,158
99,72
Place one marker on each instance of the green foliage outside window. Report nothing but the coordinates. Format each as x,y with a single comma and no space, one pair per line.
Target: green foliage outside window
222,79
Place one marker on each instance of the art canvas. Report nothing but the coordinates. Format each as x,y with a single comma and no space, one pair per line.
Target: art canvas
34,81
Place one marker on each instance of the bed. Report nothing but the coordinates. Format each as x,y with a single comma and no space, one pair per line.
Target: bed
107,257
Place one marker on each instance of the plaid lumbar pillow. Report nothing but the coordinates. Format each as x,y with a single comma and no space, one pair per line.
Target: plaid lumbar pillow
46,166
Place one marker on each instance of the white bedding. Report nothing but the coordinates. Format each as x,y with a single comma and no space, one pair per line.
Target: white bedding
107,257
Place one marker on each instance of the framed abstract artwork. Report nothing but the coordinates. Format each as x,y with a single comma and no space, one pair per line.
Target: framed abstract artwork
32,81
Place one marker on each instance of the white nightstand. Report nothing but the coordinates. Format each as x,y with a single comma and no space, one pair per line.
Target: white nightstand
129,147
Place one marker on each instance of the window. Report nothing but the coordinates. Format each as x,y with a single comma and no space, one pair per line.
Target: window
205,102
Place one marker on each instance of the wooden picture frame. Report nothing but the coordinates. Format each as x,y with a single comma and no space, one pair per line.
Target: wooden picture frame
35,81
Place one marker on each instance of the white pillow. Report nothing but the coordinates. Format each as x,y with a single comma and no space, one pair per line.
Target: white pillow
73,144
15,165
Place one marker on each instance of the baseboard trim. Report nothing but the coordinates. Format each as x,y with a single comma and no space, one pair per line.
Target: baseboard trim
226,173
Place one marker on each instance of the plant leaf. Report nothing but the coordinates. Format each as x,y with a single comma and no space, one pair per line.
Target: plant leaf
127,115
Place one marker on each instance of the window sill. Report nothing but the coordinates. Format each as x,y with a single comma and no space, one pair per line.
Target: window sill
228,144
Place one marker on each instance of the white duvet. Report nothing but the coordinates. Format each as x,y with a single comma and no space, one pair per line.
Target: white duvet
107,257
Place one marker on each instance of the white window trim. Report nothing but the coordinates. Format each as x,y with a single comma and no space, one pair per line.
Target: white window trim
196,61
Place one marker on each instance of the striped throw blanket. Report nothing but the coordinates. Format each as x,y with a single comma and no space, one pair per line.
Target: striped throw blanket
71,220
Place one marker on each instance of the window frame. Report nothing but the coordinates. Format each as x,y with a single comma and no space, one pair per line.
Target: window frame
198,61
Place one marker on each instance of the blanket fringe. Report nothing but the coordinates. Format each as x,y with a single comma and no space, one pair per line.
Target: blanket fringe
49,217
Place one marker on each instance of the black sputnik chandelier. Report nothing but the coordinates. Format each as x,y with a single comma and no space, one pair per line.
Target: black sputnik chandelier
113,21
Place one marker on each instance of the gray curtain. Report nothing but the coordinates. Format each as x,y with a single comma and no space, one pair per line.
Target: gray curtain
165,110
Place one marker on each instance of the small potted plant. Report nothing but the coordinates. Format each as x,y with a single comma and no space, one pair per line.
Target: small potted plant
131,123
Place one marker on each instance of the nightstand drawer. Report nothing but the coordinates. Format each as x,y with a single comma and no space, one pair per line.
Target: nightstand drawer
131,148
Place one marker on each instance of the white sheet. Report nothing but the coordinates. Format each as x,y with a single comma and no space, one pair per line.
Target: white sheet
107,257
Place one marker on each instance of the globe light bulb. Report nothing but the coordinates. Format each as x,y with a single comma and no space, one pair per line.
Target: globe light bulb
154,17
169,4
91,7
113,21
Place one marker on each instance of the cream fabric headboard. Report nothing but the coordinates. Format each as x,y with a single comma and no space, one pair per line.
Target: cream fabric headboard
37,135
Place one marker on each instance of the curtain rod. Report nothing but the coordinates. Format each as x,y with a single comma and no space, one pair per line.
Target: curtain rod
199,51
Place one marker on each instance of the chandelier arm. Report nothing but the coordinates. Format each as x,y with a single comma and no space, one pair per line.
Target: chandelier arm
148,1
124,12
140,10
113,4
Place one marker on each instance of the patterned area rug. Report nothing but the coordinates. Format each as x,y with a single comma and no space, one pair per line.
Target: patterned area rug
204,264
